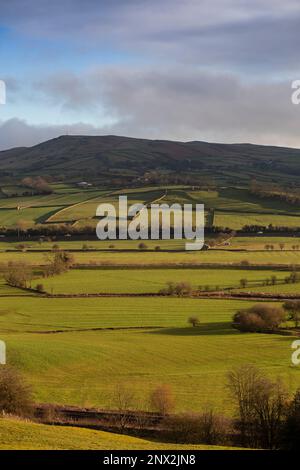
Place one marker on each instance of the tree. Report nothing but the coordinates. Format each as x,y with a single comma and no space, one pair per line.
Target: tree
61,262
243,283
194,321
259,317
15,395
123,400
273,280
181,289
40,288
291,427
293,309
162,399
261,405
18,275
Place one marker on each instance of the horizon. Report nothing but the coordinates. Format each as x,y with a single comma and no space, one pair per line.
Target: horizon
180,71
153,140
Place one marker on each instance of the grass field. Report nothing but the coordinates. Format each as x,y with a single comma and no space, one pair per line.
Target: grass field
116,257
257,243
148,281
84,367
277,289
77,350
237,220
16,434
233,207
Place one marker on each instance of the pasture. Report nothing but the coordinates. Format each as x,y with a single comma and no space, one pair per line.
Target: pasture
234,207
140,342
144,257
131,281
77,350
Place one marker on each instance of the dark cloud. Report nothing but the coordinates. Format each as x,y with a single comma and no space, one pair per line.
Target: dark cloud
216,70
176,103
18,133
220,33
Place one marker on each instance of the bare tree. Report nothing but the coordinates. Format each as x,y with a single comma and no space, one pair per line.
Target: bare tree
162,399
261,406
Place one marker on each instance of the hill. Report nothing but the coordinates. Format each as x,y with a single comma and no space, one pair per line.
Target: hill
25,435
95,156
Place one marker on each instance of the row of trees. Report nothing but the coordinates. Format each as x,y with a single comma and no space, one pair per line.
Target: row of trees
292,278
38,185
274,191
281,245
184,288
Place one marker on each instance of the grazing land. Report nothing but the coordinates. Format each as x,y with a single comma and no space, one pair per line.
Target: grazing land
77,350
78,281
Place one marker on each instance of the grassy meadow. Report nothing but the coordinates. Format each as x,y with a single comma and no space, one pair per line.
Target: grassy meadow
79,281
76,351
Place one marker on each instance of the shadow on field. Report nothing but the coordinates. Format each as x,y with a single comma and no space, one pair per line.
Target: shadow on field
203,329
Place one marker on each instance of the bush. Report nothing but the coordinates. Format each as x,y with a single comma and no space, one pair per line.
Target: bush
180,289
15,395
203,428
142,246
259,317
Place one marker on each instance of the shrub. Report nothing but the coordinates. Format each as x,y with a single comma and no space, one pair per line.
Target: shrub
258,318
15,395
199,428
142,246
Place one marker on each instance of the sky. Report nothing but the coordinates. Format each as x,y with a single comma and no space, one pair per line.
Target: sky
211,70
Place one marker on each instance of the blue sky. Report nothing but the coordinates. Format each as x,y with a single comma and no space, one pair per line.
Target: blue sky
216,70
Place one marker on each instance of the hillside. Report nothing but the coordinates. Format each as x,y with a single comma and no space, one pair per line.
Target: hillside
25,435
85,156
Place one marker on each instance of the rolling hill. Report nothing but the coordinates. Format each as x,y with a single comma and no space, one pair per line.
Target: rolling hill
92,156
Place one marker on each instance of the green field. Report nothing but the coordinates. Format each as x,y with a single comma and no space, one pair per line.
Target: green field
116,257
149,280
84,367
277,289
234,207
16,434
257,243
77,350
237,221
